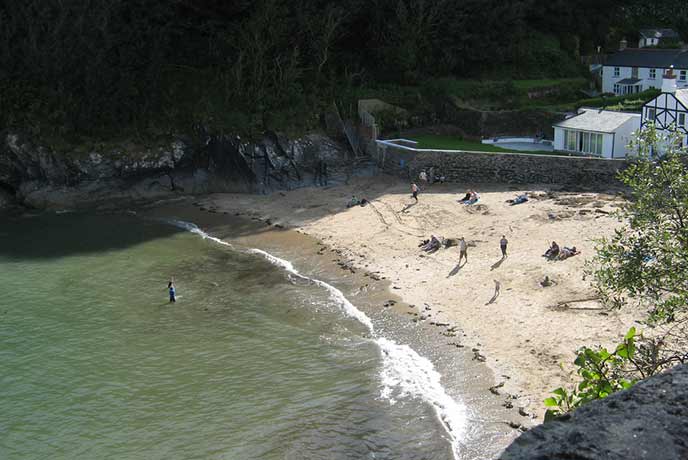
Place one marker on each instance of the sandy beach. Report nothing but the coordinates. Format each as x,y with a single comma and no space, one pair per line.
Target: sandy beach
525,332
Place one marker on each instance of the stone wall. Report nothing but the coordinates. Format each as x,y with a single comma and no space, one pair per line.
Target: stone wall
504,168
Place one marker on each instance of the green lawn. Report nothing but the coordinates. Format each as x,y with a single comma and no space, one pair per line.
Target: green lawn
546,83
431,141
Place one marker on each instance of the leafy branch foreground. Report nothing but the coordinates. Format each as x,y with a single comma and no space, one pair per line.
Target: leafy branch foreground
603,373
645,264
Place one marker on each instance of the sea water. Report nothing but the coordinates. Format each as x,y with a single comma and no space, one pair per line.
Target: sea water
255,360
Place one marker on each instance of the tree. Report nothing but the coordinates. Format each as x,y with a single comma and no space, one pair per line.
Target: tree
646,262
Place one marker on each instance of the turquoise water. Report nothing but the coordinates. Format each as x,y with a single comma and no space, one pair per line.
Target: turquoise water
252,362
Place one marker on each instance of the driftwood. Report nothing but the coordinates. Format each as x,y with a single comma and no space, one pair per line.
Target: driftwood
564,305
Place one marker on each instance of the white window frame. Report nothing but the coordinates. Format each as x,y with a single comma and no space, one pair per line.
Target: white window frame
651,114
617,72
570,140
591,143
653,74
682,120
682,75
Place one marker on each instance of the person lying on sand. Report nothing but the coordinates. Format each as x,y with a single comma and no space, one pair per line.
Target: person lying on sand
519,199
553,251
356,202
568,252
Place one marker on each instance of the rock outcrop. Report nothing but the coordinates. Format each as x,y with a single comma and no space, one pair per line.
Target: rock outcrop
40,177
648,421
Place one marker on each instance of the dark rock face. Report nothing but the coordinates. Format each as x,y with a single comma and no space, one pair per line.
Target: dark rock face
39,177
649,421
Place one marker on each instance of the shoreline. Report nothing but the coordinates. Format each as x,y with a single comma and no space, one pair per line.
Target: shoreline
528,359
397,323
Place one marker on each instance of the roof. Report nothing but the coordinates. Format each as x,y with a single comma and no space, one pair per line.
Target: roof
649,57
628,81
658,33
596,120
682,96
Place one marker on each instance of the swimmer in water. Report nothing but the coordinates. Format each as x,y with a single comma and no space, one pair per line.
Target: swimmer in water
173,292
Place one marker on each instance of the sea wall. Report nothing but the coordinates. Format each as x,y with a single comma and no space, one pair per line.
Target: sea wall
504,168
648,421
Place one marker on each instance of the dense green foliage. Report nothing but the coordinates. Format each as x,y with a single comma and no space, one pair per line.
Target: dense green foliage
627,103
645,262
69,67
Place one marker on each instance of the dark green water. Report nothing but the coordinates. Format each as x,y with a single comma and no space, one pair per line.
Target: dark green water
250,363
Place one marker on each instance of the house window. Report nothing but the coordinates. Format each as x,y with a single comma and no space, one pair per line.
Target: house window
591,143
653,74
617,72
682,75
651,114
570,140
682,120
616,88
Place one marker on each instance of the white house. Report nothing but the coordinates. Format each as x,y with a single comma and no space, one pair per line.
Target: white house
653,37
669,110
633,70
603,133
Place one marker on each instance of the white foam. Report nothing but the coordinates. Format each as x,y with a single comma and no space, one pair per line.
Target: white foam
336,295
193,228
404,372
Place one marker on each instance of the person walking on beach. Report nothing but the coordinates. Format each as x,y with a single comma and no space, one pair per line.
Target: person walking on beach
173,292
502,244
414,192
463,250
323,173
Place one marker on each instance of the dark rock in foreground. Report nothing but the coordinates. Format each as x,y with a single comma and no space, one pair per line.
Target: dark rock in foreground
649,421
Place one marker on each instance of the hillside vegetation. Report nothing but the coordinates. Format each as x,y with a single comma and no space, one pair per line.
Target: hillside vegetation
135,68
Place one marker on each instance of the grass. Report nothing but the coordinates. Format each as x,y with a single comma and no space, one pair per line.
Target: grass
547,83
431,141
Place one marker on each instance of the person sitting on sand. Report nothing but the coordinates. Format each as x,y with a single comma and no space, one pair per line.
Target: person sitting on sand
553,251
433,245
568,252
471,197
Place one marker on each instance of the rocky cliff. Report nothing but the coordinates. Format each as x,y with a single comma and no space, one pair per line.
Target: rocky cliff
38,176
648,421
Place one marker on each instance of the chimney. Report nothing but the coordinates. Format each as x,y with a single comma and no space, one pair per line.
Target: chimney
623,44
669,81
